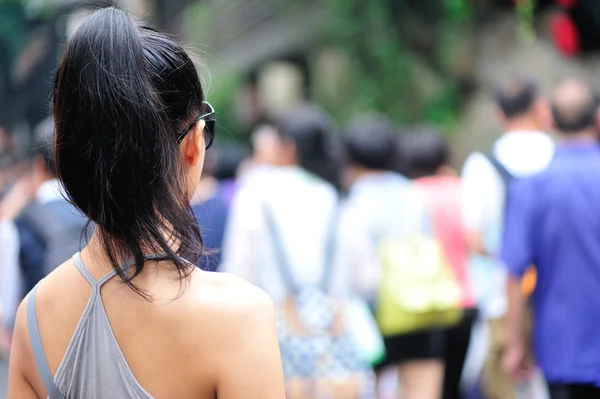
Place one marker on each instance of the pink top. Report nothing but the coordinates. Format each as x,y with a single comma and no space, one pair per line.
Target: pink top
444,197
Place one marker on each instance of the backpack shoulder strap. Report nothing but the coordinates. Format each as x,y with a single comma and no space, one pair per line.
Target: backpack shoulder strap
280,254
282,258
330,246
505,175
38,349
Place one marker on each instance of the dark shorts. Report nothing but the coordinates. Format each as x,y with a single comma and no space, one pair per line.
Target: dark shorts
421,345
573,391
431,344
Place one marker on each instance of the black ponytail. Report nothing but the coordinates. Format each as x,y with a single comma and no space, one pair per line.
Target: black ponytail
121,94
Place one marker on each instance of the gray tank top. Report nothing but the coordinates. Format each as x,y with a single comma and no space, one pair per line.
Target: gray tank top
93,365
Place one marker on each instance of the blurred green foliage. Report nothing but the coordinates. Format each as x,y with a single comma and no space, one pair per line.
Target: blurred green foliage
222,90
458,10
525,10
198,21
13,29
384,73
222,94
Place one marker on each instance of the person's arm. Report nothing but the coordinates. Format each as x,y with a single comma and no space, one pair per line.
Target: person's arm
10,278
250,362
476,178
514,357
517,255
21,360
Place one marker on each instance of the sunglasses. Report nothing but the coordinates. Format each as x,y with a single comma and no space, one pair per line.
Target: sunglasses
209,131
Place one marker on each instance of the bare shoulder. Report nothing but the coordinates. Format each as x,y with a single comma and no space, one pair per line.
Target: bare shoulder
228,295
49,316
51,290
237,324
231,319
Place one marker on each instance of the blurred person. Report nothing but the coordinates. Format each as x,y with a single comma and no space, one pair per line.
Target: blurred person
230,157
210,206
44,232
5,141
552,221
427,156
18,191
50,215
281,235
524,149
380,205
15,196
5,167
296,167
16,243
138,320
264,154
265,144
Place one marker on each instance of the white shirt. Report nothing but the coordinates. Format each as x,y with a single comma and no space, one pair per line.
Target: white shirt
11,280
303,207
523,153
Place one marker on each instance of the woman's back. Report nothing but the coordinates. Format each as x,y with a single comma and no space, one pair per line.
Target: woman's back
131,130
167,348
170,348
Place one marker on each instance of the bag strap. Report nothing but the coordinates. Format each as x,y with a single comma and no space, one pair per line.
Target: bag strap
281,255
330,247
38,349
506,176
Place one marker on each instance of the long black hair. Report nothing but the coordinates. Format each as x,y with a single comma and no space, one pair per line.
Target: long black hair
311,130
122,93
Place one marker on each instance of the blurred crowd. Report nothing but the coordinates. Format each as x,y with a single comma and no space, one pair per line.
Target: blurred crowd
394,274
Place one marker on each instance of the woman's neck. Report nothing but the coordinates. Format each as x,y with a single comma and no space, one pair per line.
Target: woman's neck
207,188
96,258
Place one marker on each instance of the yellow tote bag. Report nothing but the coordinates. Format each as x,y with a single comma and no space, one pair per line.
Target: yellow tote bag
419,289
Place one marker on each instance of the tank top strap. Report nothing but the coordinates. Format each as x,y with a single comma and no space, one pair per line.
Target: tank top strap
83,270
38,349
98,284
125,266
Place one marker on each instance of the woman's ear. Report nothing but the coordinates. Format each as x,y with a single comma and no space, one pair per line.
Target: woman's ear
193,144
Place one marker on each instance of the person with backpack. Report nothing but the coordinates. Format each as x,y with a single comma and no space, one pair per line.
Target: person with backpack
130,315
552,221
281,235
427,158
386,245
523,150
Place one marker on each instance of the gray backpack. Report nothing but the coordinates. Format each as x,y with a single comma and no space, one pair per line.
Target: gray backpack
61,226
